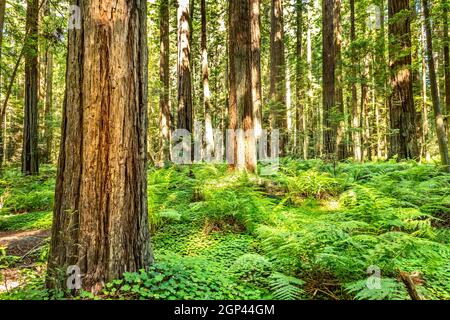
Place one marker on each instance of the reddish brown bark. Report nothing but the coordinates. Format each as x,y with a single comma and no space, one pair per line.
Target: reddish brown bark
100,221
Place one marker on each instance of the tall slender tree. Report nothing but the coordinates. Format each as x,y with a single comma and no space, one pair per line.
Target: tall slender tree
48,109
30,158
356,117
440,126
164,76
209,135
278,73
185,111
339,91
255,18
100,220
328,78
403,138
445,5
3,116
299,85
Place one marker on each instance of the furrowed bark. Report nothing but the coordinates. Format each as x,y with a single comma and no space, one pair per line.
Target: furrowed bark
100,221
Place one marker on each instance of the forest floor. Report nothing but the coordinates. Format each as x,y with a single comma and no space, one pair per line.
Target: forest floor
312,231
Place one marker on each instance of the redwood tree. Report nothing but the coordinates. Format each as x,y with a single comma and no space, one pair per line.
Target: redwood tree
185,111
2,116
241,102
278,73
100,220
30,161
328,78
164,76
255,18
209,135
440,126
403,139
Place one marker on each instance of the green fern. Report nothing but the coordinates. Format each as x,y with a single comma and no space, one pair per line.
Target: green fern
285,287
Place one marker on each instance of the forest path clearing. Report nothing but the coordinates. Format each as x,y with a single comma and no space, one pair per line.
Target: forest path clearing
19,243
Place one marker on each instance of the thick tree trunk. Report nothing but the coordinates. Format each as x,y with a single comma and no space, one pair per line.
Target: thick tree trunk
100,221
255,18
403,138
329,81
278,73
30,162
185,111
164,76
241,101
440,126
209,135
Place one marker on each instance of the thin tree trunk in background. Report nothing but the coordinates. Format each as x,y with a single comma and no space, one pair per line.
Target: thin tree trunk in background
100,221
339,91
380,78
356,122
309,131
232,145
30,162
185,111
241,101
209,135
329,83
164,76
299,88
440,126
2,115
365,99
446,68
278,74
255,17
403,138
48,110
424,81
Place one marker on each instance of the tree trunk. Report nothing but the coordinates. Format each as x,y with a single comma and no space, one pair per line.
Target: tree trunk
48,110
185,111
356,122
209,135
329,81
446,68
425,122
30,162
278,74
339,91
100,221
440,126
255,18
3,116
403,138
310,133
299,86
164,76
365,99
241,102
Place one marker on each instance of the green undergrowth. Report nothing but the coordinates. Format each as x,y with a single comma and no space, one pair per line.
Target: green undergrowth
312,231
26,202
